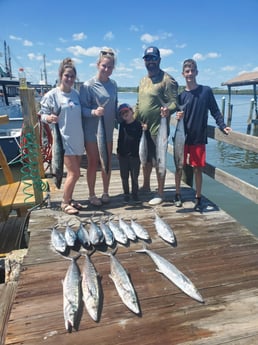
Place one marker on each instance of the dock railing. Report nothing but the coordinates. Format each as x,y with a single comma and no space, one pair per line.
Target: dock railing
243,141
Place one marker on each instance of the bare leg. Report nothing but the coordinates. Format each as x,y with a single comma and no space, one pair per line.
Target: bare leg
146,175
178,177
72,164
198,181
161,183
93,162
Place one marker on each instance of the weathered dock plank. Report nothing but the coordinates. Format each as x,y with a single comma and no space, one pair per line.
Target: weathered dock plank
213,250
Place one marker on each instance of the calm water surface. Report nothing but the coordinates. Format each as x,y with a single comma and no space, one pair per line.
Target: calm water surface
240,163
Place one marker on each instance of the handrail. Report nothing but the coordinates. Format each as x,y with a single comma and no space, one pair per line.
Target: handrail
243,141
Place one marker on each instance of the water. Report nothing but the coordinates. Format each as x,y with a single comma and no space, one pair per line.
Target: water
240,163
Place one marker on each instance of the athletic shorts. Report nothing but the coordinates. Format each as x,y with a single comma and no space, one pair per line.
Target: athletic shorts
195,155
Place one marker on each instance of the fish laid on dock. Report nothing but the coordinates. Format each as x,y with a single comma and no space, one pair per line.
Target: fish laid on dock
173,274
161,147
108,234
83,236
128,230
58,241
164,230
123,285
71,295
118,233
90,288
139,230
95,233
70,236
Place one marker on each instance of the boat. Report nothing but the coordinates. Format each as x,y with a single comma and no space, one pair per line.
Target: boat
10,131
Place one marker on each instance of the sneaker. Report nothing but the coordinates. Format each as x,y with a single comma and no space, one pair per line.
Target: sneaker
94,201
126,198
198,204
156,201
178,200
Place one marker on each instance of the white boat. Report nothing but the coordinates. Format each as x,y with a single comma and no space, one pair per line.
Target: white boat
10,132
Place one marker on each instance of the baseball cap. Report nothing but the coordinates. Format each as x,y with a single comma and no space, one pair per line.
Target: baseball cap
154,51
124,106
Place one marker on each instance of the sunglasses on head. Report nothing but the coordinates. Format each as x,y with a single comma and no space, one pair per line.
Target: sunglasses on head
103,52
151,58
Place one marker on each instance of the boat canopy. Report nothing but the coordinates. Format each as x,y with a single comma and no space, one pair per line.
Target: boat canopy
249,78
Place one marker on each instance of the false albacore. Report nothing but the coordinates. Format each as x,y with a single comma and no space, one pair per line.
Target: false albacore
58,240
173,274
140,231
128,230
119,234
143,149
164,230
108,234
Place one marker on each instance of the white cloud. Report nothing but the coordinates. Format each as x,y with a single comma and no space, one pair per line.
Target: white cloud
80,51
109,36
33,56
79,37
201,57
148,38
228,68
12,37
165,52
27,43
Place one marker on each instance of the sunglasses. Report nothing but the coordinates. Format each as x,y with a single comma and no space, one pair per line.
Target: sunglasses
151,58
106,53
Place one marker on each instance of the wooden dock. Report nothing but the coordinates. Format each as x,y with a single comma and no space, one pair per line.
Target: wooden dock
213,250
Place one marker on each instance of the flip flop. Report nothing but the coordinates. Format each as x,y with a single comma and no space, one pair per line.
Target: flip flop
68,209
76,204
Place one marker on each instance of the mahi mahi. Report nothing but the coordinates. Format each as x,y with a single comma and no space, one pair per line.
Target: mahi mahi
123,285
173,274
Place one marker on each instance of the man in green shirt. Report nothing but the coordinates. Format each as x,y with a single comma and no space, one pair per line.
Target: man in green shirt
157,97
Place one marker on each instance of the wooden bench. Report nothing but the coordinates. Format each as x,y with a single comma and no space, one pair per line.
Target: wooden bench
15,195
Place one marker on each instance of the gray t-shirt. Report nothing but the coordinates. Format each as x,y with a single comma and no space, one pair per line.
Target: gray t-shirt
70,118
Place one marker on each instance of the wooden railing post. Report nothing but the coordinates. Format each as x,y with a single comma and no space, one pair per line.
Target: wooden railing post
30,124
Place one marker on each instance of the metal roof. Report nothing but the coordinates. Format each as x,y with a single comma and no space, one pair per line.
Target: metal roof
250,78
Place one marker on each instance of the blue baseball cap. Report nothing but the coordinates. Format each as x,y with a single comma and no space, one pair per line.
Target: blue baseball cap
154,51
124,106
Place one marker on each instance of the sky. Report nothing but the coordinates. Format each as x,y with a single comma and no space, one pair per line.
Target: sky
220,35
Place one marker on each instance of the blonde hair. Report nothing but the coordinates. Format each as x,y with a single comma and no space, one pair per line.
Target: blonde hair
107,53
66,63
190,63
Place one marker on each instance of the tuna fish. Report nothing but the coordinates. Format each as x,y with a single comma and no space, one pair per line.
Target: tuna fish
164,230
128,230
123,285
71,295
139,230
118,233
174,275
161,147
95,234
70,236
83,236
108,234
90,288
58,240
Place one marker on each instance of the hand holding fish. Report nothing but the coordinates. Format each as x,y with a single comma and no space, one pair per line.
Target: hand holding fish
144,126
179,115
52,118
99,111
164,112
